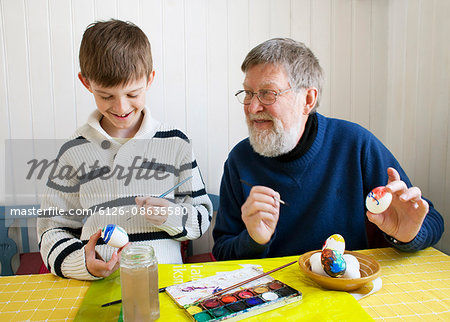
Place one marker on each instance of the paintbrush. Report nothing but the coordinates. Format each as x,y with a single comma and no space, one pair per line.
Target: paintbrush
120,301
174,187
250,185
168,191
242,283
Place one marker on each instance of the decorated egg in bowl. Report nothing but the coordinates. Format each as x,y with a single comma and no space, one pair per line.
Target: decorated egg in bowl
369,270
333,263
335,242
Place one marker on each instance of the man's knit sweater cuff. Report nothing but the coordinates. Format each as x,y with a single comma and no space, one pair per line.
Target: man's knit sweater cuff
250,248
414,245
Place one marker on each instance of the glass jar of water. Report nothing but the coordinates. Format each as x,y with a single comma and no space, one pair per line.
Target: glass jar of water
139,283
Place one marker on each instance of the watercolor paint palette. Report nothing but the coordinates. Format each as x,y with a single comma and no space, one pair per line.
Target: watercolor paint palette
250,299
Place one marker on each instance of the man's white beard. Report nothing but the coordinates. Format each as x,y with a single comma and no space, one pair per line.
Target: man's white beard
275,141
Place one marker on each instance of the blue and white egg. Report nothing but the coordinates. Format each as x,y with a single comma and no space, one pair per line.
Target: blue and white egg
114,236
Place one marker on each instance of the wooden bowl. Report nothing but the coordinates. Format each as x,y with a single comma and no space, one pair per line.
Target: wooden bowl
369,268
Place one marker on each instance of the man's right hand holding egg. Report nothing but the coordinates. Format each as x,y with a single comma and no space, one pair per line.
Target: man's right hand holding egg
404,217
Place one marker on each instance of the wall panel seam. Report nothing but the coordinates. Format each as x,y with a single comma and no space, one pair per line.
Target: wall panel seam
5,60
27,48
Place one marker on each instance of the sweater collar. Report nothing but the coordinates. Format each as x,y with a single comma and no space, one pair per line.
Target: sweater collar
148,127
308,155
305,142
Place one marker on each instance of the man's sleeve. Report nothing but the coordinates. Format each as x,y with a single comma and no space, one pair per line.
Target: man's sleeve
231,238
377,160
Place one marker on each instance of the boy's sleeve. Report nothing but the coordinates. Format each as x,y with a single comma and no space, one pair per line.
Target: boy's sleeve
192,213
59,230
61,249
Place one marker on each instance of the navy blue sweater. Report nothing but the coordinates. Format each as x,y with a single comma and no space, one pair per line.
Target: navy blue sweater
325,190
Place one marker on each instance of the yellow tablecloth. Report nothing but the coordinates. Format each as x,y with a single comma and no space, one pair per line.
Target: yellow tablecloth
415,287
40,297
316,303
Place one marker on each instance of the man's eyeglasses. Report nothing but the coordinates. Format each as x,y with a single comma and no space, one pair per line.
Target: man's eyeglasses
265,96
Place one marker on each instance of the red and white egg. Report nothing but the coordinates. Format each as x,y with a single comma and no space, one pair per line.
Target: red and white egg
378,200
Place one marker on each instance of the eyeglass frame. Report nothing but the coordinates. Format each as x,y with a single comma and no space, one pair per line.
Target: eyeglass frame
257,95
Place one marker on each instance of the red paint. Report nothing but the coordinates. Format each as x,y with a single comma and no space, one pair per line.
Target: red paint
210,304
275,286
245,294
228,299
379,192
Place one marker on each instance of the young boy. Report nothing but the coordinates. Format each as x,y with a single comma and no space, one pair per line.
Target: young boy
115,162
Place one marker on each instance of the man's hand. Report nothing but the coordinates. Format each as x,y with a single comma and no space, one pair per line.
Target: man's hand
260,213
95,264
156,209
404,217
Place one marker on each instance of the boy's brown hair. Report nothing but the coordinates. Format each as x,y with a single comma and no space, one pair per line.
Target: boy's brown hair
115,53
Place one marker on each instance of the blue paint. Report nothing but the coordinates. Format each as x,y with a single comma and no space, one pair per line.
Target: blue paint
372,195
253,301
108,232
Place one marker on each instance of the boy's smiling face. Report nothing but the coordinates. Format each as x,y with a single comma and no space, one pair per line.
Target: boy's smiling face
121,106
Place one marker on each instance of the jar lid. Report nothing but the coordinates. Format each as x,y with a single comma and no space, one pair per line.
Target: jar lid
138,255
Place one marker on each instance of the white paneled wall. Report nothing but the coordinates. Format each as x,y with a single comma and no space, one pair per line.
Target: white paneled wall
387,66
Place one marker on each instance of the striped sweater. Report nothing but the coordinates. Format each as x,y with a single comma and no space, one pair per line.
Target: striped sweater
95,182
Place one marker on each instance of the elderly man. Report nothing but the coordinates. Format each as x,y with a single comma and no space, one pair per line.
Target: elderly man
322,168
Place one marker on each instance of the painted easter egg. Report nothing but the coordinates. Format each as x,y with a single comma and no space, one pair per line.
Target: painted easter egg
378,200
352,266
333,263
114,236
335,242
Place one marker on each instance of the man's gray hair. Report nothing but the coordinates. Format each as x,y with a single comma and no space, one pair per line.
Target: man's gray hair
302,66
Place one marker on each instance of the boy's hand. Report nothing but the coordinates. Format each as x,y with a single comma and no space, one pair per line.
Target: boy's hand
97,265
156,210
